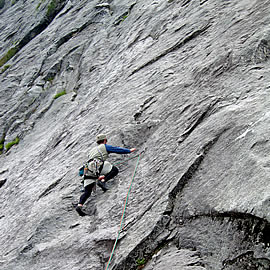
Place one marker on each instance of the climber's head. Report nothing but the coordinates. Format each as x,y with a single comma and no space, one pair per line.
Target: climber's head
101,138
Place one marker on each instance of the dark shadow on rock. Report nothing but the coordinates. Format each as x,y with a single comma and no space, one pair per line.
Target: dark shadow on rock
2,182
246,261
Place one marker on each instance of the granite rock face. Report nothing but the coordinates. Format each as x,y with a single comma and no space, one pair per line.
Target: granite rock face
186,83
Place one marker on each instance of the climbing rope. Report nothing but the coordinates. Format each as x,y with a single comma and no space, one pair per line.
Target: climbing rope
124,210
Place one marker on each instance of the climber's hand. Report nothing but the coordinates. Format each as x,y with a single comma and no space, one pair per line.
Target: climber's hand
101,178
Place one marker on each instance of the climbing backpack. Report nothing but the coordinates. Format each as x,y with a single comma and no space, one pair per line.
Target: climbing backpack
93,168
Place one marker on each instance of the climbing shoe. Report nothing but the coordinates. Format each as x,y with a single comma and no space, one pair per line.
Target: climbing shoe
102,185
80,211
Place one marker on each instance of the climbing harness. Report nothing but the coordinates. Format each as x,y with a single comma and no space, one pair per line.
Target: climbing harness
124,208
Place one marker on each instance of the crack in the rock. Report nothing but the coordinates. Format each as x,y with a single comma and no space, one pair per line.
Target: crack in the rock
44,23
68,36
246,258
175,47
203,2
196,264
123,16
2,182
200,117
147,103
140,216
193,167
50,188
185,2
4,171
149,245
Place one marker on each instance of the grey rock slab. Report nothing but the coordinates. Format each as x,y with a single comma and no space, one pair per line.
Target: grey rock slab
187,83
173,258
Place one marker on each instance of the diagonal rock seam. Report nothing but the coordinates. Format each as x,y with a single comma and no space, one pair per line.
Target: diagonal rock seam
53,70
68,36
199,113
162,225
44,23
199,119
50,188
2,182
253,226
175,47
249,256
162,234
124,15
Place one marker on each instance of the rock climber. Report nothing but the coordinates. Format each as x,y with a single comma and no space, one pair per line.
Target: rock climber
108,171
